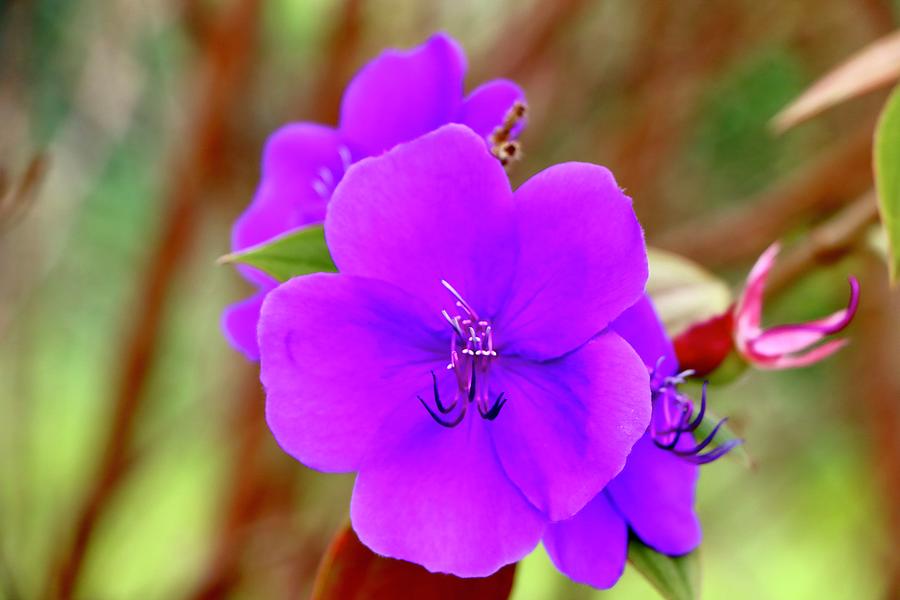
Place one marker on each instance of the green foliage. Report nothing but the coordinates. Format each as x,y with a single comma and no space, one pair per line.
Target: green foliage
733,141
675,577
298,252
887,178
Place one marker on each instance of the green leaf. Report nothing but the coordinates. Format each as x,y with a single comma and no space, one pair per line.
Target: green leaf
295,253
887,178
674,577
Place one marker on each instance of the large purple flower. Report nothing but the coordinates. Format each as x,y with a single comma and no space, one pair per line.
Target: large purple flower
654,493
461,361
397,97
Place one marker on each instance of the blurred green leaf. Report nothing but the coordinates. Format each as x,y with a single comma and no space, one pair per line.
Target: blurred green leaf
683,292
675,577
732,141
295,253
887,178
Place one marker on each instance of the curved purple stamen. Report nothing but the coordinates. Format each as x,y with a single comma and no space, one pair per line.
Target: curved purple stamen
440,420
491,414
676,412
714,454
437,397
706,441
702,413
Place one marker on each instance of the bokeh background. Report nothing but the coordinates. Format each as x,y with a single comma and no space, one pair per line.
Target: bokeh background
134,459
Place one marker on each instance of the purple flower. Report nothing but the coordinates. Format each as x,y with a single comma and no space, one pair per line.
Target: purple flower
395,98
491,309
654,494
784,346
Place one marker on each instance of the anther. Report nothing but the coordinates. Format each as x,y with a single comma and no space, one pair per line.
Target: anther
504,148
346,159
320,189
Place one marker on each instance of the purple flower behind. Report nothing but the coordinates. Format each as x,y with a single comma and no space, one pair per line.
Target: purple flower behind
491,309
654,493
395,98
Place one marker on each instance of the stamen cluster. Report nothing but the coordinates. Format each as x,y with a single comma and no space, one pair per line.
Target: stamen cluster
673,417
471,354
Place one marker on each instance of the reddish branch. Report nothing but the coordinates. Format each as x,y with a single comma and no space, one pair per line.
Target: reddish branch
335,71
247,491
665,88
15,200
739,233
224,64
826,243
877,389
254,492
526,41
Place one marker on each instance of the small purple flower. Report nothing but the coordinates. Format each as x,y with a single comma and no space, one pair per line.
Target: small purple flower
395,98
491,309
654,494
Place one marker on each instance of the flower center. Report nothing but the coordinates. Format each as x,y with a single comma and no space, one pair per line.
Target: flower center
471,355
326,179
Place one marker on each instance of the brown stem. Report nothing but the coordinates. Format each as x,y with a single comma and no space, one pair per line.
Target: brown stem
338,53
741,233
246,491
253,493
525,42
665,100
877,391
224,65
16,200
825,244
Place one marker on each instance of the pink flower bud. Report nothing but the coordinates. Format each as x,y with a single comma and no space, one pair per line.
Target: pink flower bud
784,346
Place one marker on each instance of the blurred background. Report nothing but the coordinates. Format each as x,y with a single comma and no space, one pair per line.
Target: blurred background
134,459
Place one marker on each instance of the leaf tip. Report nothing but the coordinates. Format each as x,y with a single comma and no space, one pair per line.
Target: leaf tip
227,258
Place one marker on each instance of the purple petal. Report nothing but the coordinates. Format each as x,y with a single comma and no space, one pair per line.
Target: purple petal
581,262
569,424
297,159
655,493
439,497
239,324
439,207
403,94
592,546
338,354
484,109
640,326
